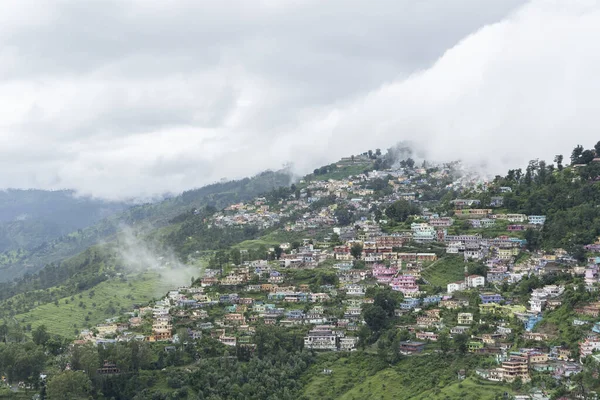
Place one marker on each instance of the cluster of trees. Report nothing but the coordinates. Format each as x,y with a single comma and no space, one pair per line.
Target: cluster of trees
379,315
579,155
400,210
567,196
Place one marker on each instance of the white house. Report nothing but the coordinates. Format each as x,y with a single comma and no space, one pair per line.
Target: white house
537,219
455,286
475,281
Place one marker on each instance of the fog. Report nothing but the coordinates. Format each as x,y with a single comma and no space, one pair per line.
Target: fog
134,99
140,255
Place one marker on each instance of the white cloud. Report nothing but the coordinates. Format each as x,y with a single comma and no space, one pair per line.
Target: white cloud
137,98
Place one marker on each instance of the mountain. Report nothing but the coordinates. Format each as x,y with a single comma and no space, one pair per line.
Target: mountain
39,227
303,273
29,218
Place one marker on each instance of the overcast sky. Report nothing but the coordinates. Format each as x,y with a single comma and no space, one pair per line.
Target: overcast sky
131,99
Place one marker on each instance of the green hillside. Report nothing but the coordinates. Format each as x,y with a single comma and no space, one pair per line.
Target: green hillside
19,261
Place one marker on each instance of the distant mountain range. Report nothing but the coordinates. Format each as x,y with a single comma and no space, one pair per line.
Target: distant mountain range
39,227
29,218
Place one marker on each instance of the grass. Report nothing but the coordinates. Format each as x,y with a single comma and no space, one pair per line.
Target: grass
109,299
343,172
346,373
447,269
423,377
272,239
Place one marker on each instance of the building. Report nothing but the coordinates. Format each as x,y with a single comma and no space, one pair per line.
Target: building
490,298
422,232
537,219
321,339
465,318
475,281
455,286
411,347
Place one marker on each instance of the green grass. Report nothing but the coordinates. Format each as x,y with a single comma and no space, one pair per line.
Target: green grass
110,298
343,172
423,377
450,268
347,372
272,239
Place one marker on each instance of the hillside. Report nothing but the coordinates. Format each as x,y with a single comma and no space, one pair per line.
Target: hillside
29,218
407,281
28,260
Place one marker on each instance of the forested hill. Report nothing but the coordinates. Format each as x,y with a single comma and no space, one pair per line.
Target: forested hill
568,195
16,261
29,218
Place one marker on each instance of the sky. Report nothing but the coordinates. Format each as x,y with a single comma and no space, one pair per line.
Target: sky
133,99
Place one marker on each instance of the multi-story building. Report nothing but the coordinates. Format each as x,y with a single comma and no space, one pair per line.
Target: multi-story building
321,339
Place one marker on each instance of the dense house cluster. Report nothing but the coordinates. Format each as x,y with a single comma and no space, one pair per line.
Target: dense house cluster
229,303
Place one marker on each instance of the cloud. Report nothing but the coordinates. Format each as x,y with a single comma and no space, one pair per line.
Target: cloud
121,99
139,255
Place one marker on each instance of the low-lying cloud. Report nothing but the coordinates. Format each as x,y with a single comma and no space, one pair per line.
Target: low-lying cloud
132,99
138,255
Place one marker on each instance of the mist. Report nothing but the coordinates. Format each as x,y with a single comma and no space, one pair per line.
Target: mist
139,255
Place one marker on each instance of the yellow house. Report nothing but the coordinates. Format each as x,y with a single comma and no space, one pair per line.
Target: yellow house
106,329
508,310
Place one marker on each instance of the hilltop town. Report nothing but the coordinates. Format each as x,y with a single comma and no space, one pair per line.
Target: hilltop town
404,259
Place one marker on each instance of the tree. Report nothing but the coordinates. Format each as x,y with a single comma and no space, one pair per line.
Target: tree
586,157
343,216
375,317
377,152
444,342
40,335
356,250
85,357
533,239
400,210
69,385
387,300
558,159
597,148
410,162
460,342
278,251
576,154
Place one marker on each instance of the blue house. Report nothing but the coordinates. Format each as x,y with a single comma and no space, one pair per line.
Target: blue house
408,304
490,298
432,299
295,314
531,322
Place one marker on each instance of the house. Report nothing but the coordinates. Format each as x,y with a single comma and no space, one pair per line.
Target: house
459,330
355,290
496,201
537,219
427,336
475,281
490,298
465,318
588,346
426,322
422,232
456,286
321,339
410,303
348,343
411,347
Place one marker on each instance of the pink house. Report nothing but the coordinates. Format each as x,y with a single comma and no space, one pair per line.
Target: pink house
407,284
384,274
